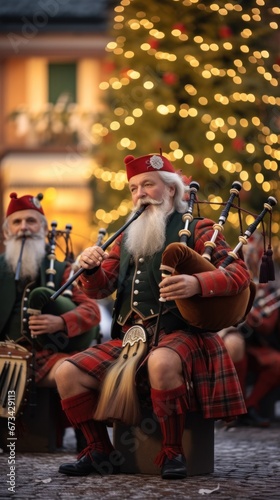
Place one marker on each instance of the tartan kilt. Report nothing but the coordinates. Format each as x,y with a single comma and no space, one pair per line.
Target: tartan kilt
212,385
45,360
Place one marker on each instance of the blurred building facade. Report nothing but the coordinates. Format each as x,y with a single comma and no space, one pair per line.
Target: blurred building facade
52,60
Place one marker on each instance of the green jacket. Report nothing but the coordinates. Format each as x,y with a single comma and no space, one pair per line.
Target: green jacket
138,284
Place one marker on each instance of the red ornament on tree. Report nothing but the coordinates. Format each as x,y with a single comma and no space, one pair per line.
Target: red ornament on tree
225,32
238,144
153,43
170,78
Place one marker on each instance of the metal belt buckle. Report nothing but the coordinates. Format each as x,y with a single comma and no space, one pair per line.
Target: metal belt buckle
135,333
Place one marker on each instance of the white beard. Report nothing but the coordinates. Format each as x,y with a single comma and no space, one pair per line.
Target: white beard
33,253
146,235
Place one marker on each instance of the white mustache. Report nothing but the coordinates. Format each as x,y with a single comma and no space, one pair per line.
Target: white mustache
26,234
23,234
148,201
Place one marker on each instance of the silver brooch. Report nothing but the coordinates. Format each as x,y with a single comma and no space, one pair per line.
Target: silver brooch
156,162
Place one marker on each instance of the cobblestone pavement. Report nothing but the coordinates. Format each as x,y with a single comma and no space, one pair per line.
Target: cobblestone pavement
247,466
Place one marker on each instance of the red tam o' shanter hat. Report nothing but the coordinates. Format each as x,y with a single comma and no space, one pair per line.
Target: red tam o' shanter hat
149,163
27,202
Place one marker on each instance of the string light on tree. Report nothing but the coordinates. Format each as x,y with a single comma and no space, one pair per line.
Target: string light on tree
204,76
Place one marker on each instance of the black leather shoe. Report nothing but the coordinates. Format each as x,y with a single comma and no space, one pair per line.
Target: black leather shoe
174,468
93,462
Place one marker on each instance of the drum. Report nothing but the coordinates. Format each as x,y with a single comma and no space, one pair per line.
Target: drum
15,364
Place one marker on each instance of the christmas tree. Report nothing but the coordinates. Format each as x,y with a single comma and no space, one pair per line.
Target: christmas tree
198,81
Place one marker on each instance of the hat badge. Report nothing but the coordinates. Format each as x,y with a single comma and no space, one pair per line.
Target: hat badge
155,162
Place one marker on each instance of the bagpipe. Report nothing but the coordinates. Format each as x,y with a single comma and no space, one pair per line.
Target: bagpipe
211,313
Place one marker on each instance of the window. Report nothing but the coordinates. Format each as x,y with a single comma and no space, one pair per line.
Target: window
62,80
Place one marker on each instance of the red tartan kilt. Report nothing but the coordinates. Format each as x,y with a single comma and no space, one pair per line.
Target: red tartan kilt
212,384
44,362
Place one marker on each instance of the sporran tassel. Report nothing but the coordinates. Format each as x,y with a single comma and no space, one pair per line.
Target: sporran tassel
118,399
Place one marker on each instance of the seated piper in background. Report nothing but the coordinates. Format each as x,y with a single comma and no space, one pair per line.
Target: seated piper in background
254,345
189,369
52,330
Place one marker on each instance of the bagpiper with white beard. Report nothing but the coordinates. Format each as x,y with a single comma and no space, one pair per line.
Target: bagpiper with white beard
189,369
27,316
